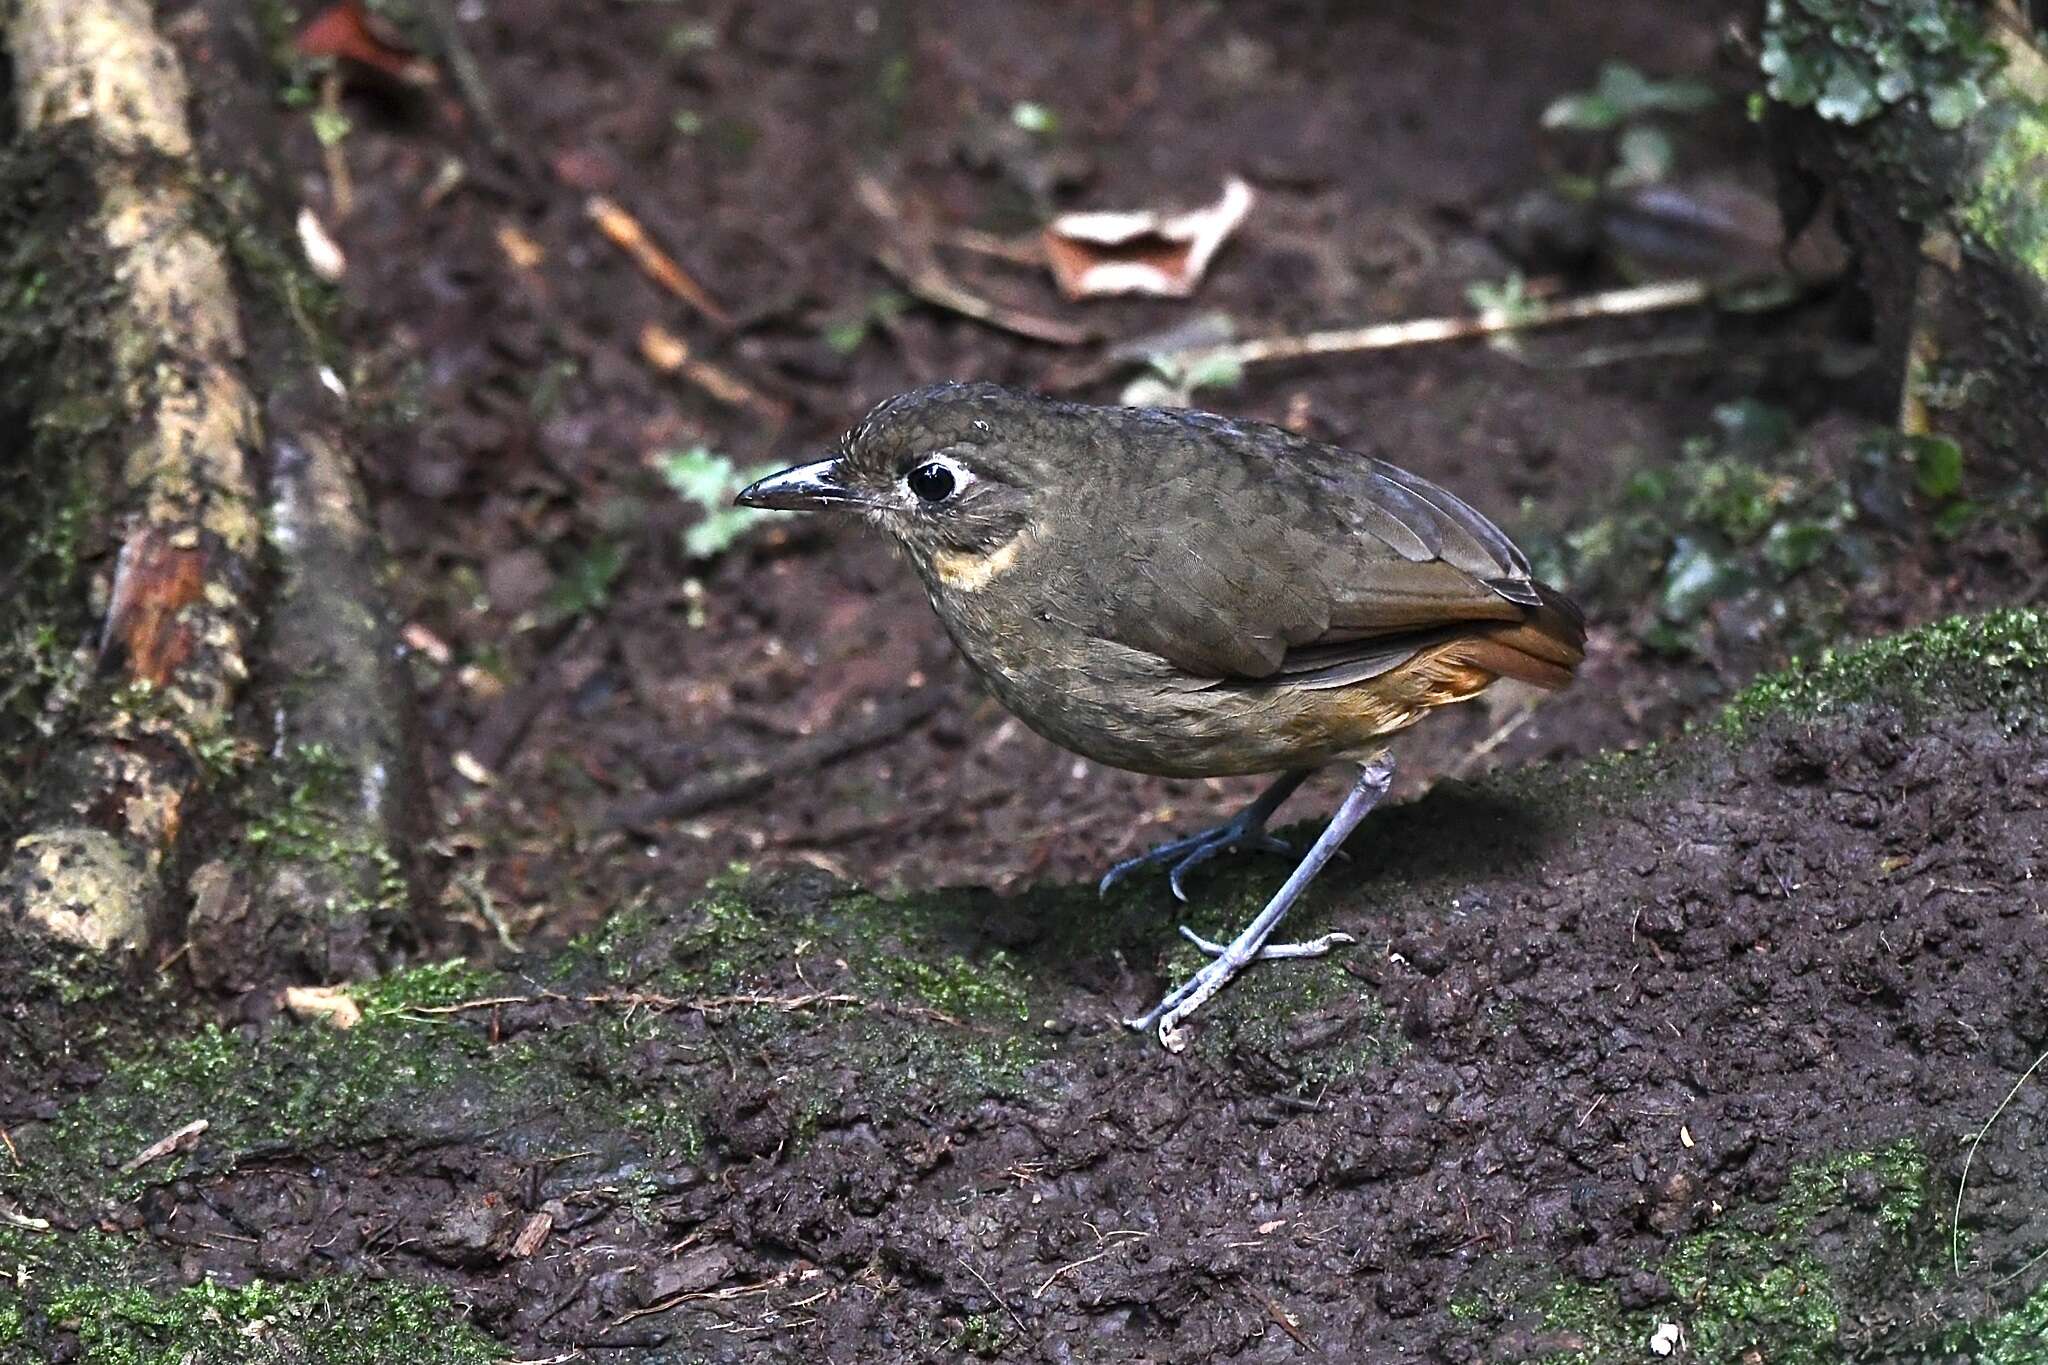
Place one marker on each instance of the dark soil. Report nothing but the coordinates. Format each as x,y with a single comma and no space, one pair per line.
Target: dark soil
1702,1044
1699,1041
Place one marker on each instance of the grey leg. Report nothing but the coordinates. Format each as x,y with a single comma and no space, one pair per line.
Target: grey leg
1246,829
1250,946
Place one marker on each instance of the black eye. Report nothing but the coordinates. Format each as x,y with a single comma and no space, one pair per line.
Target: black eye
932,481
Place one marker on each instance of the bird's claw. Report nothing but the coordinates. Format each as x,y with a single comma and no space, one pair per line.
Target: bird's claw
1274,952
1190,851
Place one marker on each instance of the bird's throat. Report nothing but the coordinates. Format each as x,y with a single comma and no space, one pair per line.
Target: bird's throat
967,571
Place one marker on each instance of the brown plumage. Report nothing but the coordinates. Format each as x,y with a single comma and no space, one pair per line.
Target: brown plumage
1178,593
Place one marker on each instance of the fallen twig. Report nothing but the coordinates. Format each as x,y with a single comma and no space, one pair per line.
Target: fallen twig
1648,298
670,354
911,259
1955,1223
700,1296
15,1218
179,1141
995,1294
625,232
1116,1240
786,1004
494,741
470,80
806,755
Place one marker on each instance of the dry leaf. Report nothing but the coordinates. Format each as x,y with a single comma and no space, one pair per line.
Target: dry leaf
519,248
329,1004
1142,252
323,253
346,31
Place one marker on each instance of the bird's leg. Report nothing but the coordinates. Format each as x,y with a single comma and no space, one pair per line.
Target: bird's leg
1227,960
1246,829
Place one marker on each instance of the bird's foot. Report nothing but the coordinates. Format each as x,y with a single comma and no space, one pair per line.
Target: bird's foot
1226,960
1273,952
1185,854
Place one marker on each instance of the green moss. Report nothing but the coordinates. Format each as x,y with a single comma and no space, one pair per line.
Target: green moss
85,1287
1960,663
982,1334
2004,207
304,807
312,1086
1740,1292
1753,1281
1815,1188
925,1020
232,211
59,414
989,990
1850,62
2019,1337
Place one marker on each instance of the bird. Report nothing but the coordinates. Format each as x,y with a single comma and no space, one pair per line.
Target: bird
1189,595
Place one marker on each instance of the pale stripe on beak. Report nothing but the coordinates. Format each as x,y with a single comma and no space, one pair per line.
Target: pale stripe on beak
802,489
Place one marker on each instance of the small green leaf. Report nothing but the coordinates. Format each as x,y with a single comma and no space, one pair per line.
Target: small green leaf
1849,96
845,336
1955,519
330,126
1693,577
586,585
1951,106
1509,296
1581,113
1937,466
702,476
1645,153
1794,545
1214,371
1034,118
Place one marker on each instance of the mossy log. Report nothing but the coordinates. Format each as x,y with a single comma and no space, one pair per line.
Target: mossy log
245,595
792,1116
96,86
1925,125
315,877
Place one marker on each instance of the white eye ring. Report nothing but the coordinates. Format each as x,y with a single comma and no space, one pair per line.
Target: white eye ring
936,479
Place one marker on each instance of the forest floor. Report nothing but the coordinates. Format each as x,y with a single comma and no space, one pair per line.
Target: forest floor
1698,1035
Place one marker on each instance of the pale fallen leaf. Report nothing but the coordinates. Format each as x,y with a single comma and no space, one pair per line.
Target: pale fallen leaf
520,248
1142,251
328,1004
323,253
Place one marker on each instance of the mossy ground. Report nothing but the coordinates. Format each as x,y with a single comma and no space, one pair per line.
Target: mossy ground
776,1017
82,1285
1997,661
1772,1282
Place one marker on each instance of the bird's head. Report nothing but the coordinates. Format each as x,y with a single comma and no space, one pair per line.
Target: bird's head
955,473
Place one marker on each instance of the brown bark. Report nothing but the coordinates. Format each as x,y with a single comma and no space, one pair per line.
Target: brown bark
94,77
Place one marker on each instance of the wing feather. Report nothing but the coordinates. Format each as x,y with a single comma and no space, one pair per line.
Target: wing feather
1293,559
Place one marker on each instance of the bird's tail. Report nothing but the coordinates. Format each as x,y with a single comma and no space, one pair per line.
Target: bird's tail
1542,648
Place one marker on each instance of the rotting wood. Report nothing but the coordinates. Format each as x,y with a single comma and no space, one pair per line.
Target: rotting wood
1939,194
88,865
339,791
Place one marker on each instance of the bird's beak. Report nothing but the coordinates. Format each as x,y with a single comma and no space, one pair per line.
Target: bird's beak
802,489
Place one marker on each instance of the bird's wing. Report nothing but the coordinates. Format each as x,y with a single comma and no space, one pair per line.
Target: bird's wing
1295,558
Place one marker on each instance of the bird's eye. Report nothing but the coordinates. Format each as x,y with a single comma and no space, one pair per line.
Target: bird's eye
934,481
